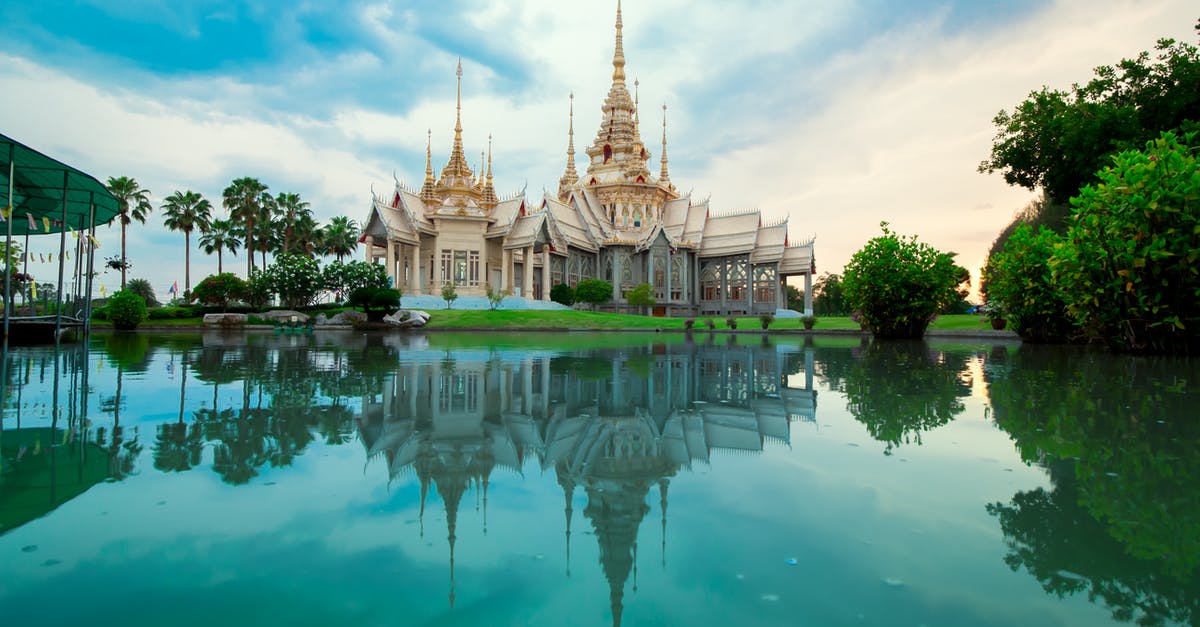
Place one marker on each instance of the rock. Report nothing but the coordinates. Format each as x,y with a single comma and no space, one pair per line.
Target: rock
321,319
285,316
224,319
406,319
348,317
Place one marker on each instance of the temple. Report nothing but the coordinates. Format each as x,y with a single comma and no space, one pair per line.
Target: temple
618,221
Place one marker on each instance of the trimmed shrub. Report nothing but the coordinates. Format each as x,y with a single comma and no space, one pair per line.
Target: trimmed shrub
731,322
126,310
219,290
142,288
593,292
1021,288
563,294
766,319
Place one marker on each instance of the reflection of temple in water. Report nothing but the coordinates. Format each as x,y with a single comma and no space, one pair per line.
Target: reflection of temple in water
615,423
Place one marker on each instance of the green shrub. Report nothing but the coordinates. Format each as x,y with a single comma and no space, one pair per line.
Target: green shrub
641,296
296,279
495,297
593,292
1021,287
898,284
259,290
126,310
808,321
731,322
563,294
219,290
1130,272
385,299
142,288
449,294
344,278
374,301
766,319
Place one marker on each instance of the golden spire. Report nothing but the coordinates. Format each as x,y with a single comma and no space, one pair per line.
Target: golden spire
636,116
427,187
457,174
619,53
570,175
663,177
489,198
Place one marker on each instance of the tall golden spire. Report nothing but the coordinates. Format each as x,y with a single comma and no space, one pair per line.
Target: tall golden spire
663,177
489,199
619,52
618,148
570,175
457,174
427,193
636,116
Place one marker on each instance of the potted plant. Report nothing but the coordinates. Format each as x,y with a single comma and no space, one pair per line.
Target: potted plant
993,313
808,321
766,319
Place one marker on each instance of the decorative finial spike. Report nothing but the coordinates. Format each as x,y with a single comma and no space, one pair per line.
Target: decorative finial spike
664,177
619,52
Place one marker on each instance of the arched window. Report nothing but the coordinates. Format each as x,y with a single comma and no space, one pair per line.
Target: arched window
607,153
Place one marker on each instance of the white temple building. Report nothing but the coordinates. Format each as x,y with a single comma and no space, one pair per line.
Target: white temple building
617,221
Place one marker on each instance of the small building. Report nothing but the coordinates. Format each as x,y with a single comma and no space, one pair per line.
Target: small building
618,221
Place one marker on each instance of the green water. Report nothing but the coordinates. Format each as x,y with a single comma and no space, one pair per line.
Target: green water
349,479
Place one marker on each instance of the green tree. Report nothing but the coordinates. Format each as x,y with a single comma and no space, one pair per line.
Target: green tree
126,310
449,294
221,235
243,200
186,212
341,237
291,208
133,203
562,294
795,298
1130,273
642,296
898,284
593,292
495,296
344,278
828,299
295,278
1020,283
142,288
219,289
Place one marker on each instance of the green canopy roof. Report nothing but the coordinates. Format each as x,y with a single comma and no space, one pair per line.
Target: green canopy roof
39,185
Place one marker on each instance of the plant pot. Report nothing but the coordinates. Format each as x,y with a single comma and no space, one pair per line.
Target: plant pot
999,324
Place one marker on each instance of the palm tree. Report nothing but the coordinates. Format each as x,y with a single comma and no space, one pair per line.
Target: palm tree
290,209
187,211
308,236
341,237
221,236
243,199
133,203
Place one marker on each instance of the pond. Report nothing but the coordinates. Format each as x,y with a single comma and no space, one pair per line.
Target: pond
595,479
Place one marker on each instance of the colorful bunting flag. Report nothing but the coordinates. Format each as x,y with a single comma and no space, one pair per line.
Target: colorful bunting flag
174,288
33,290
32,224
95,242
103,293
46,224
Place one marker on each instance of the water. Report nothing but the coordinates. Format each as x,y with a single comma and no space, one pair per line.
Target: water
541,479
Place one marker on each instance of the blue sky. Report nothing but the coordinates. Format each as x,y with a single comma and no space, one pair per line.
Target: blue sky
836,114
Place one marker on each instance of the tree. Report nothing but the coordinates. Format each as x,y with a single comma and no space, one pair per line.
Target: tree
187,211
220,236
126,310
563,294
449,294
1057,141
828,299
495,296
291,208
133,203
795,298
243,200
344,278
642,296
341,237
593,291
219,289
899,284
295,278
142,288
1019,282
1130,272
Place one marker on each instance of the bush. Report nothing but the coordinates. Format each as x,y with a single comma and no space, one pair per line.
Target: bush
642,296
374,301
142,288
449,294
495,297
731,322
898,284
1021,287
219,290
593,292
169,313
766,319
689,323
563,294
708,322
258,290
808,321
1130,272
385,299
126,310
343,278
295,278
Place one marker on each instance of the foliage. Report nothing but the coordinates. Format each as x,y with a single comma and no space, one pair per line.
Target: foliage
245,199
10,253
495,296
375,301
563,294
1021,288
449,294
343,278
708,322
259,289
766,319
593,292
795,298
642,296
808,321
295,278
385,298
126,310
899,284
117,262
172,313
219,289
1130,273
341,237
1058,141
828,299
142,288
731,322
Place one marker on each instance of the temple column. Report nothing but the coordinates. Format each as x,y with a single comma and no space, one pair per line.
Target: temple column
504,271
808,293
438,279
369,247
393,276
545,273
527,273
780,290
414,270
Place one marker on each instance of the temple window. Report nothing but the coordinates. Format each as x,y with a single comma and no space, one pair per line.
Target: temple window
736,280
607,153
677,277
460,266
710,281
764,284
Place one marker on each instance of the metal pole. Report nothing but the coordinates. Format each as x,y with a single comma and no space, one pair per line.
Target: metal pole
62,248
12,168
87,306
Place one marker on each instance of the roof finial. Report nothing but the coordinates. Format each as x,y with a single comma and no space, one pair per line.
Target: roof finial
570,175
489,198
664,177
636,115
619,53
457,172
458,102
427,193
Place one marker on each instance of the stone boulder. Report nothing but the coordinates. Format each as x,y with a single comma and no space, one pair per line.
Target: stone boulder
407,319
224,319
285,316
347,318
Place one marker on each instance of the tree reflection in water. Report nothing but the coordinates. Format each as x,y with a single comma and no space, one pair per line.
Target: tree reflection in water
1121,523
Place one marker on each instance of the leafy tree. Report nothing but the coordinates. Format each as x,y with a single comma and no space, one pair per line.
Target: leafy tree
259,289
593,292
221,235
642,296
133,203
186,212
828,299
563,294
243,199
795,298
340,237
495,296
291,208
1130,273
126,310
899,284
1057,141
1020,283
344,278
142,288
219,289
449,294
295,278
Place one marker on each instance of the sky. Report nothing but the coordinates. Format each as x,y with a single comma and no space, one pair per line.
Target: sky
835,115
